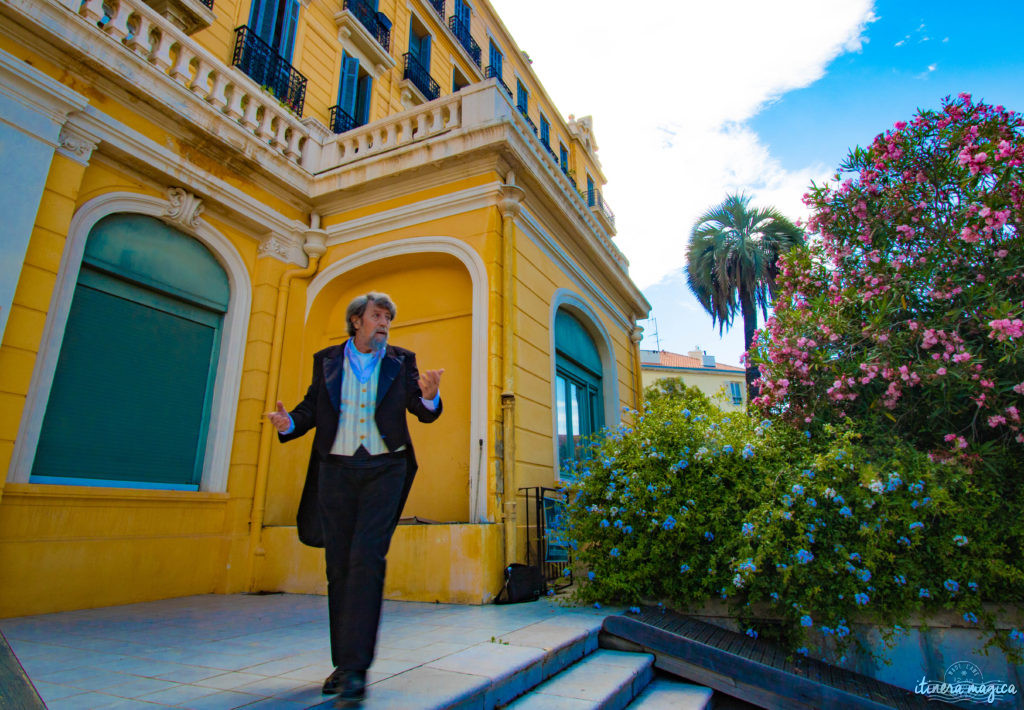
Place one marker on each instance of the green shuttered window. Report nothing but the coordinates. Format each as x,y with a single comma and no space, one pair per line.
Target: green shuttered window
131,396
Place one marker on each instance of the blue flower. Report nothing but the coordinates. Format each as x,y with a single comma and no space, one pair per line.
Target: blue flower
838,500
797,489
787,500
826,630
605,523
864,575
923,593
803,649
591,575
855,556
747,565
806,620
970,618
916,526
651,488
747,529
597,605
811,502
842,630
916,488
566,572
807,434
804,556
686,412
614,552
904,540
775,596
628,529
810,538
748,451
899,579
861,598
708,535
952,586
1016,635
634,610
618,523
727,448
960,540
973,586
751,633
669,523
683,569
845,512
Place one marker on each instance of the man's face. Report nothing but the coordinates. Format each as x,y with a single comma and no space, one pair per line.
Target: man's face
372,328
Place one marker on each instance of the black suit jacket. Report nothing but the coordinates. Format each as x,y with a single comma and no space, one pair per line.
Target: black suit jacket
398,391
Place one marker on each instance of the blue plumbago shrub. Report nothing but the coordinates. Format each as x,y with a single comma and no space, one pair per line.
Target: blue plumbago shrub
799,535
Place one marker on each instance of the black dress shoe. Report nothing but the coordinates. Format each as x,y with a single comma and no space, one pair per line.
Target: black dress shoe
347,685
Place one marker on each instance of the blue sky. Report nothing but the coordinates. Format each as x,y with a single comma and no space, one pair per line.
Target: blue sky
747,95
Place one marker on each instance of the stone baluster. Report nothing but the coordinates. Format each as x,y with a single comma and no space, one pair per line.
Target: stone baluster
118,27
218,98
436,124
180,71
391,139
362,143
280,139
234,108
292,151
252,107
201,83
92,10
454,114
266,131
140,40
421,125
161,57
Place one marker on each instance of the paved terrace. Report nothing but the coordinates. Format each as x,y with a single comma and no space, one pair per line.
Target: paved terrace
271,651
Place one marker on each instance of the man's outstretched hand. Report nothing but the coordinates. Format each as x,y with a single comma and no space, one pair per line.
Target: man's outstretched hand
430,381
279,418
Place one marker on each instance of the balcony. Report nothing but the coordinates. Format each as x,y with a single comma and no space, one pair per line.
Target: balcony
596,202
438,6
461,31
529,122
376,23
420,77
341,121
495,73
268,69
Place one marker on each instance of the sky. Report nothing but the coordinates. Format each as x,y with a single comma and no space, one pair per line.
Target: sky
694,100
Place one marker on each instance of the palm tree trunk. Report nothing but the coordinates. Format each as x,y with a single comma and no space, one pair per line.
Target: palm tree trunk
749,311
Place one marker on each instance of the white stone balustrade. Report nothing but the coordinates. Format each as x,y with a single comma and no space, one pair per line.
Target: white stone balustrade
170,51
420,123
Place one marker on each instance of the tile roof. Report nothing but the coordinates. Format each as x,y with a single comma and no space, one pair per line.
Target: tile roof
667,359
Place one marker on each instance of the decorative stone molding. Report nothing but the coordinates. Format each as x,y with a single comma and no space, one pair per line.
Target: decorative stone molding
637,334
583,128
184,208
511,201
76,143
275,247
189,16
353,35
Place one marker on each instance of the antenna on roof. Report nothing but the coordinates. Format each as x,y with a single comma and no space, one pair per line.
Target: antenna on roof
657,340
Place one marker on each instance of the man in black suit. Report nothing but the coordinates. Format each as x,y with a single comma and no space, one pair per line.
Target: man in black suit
360,472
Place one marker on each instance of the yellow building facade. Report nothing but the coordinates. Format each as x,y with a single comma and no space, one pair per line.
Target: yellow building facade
724,384
193,194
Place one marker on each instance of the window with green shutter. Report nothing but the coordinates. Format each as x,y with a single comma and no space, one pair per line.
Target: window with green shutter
579,405
132,392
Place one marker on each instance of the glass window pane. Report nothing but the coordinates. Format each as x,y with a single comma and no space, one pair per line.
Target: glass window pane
563,423
576,430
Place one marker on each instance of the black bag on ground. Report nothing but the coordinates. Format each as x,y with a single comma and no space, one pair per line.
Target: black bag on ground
523,583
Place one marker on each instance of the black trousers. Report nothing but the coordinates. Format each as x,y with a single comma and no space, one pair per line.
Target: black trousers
358,500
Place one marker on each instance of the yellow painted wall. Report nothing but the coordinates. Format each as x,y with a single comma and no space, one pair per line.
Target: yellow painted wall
714,383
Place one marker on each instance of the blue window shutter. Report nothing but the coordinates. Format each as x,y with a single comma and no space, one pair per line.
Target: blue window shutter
414,41
425,52
365,91
563,158
495,57
590,191
522,96
545,130
349,87
286,45
462,12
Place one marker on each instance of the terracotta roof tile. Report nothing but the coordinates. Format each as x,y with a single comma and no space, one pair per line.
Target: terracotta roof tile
668,359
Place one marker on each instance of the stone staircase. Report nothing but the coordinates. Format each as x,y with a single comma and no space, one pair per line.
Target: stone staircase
550,665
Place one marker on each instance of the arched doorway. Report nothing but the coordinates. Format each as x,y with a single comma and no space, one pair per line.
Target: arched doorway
579,390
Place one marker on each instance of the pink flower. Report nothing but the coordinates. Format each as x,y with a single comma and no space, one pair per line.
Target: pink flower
995,420
941,371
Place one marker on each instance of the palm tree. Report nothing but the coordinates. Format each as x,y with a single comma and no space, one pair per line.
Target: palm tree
731,263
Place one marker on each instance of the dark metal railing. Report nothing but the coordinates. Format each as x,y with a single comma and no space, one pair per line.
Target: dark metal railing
268,69
376,23
526,116
418,75
208,3
494,73
461,31
594,198
439,6
341,121
546,543
551,152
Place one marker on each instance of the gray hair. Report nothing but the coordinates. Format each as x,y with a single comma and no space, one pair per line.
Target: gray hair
357,308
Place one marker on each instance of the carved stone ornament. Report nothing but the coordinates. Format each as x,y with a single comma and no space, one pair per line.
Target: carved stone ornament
76,144
272,246
184,208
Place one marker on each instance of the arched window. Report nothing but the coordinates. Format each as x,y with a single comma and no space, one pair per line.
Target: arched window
131,395
578,390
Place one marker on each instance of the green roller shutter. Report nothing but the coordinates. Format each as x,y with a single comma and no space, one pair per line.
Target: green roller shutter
131,396
579,405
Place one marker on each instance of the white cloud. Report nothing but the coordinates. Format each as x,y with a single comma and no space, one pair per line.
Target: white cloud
670,85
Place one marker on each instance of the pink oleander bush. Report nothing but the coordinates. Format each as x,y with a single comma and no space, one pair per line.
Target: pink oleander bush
904,312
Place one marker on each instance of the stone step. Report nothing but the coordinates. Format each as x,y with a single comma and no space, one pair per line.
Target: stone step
605,679
670,694
489,675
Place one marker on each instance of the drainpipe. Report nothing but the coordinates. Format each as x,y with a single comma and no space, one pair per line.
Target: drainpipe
509,204
635,336
315,245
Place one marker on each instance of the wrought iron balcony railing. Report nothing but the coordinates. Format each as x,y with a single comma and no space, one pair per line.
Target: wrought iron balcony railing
438,5
529,122
495,73
418,75
595,200
208,3
341,121
375,22
461,31
268,69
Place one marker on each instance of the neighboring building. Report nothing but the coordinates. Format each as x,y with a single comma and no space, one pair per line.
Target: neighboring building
192,194
698,369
